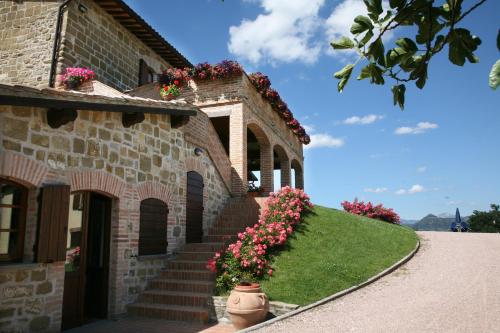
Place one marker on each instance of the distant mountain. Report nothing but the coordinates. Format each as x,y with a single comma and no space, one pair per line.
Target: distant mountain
408,222
435,223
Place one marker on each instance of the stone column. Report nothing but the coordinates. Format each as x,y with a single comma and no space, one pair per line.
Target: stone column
286,179
299,178
238,152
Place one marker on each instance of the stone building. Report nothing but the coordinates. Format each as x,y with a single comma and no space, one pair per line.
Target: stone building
110,196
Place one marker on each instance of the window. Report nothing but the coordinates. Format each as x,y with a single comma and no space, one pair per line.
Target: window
146,73
153,227
13,198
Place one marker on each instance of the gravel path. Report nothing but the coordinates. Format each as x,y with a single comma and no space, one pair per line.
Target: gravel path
451,285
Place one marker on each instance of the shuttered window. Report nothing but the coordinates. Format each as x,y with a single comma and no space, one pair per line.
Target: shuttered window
153,227
13,201
53,223
146,74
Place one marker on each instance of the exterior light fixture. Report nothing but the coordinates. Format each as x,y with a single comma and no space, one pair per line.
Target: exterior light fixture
82,8
198,151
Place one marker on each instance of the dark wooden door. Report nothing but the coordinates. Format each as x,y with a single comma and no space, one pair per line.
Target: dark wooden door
194,208
87,260
153,227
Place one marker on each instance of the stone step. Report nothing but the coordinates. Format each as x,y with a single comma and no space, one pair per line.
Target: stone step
183,285
183,298
195,255
203,247
187,265
203,275
170,312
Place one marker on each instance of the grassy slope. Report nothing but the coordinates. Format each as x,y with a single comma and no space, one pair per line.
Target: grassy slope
333,251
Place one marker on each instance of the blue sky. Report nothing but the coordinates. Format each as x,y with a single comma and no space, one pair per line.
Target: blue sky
441,152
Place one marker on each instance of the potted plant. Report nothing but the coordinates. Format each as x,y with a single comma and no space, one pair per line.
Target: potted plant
73,77
247,305
172,81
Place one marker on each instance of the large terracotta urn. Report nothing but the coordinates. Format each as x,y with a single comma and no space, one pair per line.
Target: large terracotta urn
247,305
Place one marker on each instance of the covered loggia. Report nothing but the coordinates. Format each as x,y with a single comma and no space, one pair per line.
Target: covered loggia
259,159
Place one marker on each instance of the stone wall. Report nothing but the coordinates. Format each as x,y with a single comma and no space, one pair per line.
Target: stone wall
27,31
96,153
30,297
96,40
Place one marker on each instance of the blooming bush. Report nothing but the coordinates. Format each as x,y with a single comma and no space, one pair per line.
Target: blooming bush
224,69
75,76
263,85
172,81
249,257
369,210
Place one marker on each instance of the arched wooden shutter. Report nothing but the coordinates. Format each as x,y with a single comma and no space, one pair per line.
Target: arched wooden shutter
153,227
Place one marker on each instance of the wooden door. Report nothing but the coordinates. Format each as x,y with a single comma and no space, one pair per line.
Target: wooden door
194,208
87,259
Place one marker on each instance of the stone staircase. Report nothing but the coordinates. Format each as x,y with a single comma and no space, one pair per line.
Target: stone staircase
183,290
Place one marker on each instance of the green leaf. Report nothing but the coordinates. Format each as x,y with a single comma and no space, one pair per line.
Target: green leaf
376,51
344,74
374,7
397,3
398,95
425,34
420,75
395,56
373,72
366,38
495,75
407,44
342,44
461,46
361,23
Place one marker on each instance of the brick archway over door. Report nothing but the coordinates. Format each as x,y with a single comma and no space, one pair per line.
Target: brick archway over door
22,169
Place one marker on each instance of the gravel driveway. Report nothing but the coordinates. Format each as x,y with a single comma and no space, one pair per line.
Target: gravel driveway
451,285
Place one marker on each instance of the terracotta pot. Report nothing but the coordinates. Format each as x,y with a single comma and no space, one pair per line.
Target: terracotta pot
247,305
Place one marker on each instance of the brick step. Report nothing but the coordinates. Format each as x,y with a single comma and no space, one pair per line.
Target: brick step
204,275
195,255
170,312
225,231
183,285
220,238
187,265
203,247
182,298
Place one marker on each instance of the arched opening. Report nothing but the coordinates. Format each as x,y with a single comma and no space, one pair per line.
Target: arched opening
86,280
281,167
13,206
194,207
298,174
259,161
153,227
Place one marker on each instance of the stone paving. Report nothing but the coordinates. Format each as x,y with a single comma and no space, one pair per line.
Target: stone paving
148,325
451,285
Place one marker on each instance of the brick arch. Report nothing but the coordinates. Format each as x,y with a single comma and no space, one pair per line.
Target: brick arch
259,133
284,165
195,164
99,181
266,157
155,190
20,168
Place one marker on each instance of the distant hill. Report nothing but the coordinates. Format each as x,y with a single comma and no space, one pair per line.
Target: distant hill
435,223
408,222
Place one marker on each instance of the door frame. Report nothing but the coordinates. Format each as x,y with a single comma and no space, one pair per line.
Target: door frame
80,320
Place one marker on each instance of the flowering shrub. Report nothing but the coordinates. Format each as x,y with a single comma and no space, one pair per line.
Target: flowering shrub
249,257
369,210
75,76
172,81
224,69
263,85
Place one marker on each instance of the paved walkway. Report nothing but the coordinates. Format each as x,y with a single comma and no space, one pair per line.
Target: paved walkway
451,285
148,325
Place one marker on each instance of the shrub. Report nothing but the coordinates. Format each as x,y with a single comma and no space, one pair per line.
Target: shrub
378,212
75,76
249,257
172,81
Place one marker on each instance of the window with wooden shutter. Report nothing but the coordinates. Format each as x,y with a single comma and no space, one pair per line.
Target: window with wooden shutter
13,202
146,74
153,227
53,223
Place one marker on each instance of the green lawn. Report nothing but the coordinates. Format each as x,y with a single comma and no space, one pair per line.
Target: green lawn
332,251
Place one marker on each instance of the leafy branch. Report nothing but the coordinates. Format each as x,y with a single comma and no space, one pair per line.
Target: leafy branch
409,60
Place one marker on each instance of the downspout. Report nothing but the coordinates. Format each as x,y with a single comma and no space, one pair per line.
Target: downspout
57,43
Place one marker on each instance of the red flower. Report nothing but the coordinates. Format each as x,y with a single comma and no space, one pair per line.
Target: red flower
176,82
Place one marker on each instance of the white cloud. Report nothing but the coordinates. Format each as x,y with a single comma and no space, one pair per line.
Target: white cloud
421,127
365,120
417,188
341,19
283,33
309,128
422,169
376,190
324,140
